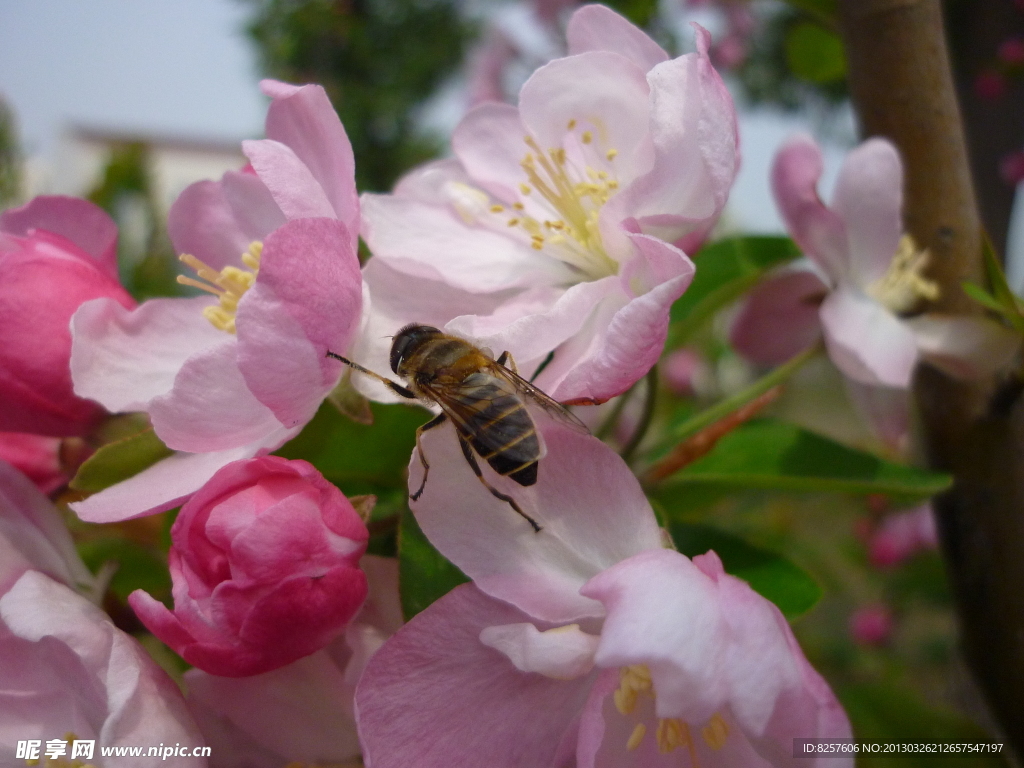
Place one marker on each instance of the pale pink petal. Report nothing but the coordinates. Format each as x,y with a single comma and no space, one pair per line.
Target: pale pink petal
83,223
869,200
137,703
964,347
216,221
427,183
885,409
590,507
307,300
866,341
536,322
434,242
622,350
169,482
489,143
598,28
292,185
779,318
393,299
665,613
598,92
123,359
818,231
434,696
210,407
696,152
33,536
561,653
302,711
305,121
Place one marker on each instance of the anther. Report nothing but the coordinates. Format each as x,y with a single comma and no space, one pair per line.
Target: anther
636,737
586,137
611,153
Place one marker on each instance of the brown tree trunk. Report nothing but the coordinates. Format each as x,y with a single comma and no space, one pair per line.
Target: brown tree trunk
902,89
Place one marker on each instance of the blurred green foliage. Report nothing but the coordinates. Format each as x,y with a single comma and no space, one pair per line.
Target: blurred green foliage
10,158
379,60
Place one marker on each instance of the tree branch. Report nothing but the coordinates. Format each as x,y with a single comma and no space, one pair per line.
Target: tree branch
902,88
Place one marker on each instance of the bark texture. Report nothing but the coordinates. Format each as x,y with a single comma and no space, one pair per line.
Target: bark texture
902,89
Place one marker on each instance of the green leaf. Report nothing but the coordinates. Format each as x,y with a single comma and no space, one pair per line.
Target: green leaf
825,11
770,574
780,456
359,458
424,575
138,567
815,54
1002,299
982,296
120,460
726,269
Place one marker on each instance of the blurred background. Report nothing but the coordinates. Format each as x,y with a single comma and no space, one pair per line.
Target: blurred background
128,103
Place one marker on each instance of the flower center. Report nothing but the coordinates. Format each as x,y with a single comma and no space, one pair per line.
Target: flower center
671,733
228,285
903,285
572,195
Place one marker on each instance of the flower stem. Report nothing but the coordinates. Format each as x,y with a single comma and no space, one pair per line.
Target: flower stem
645,418
724,407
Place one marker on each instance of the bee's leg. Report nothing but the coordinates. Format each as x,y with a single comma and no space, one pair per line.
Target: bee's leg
506,359
467,451
395,387
437,420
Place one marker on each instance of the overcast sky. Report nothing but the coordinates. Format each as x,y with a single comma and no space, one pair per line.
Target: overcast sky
185,67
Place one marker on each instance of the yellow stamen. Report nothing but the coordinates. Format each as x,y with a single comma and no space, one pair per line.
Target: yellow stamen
525,189
228,285
611,154
519,206
586,137
571,125
715,732
513,222
497,208
903,285
636,737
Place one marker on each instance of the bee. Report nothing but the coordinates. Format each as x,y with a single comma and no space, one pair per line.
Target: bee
485,399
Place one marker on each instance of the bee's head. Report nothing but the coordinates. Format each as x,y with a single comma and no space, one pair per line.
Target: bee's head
407,340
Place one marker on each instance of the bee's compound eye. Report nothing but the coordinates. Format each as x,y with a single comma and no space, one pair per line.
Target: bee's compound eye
406,340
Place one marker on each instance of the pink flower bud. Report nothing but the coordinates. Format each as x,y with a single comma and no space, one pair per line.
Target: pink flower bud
680,369
900,536
35,456
871,625
55,254
264,560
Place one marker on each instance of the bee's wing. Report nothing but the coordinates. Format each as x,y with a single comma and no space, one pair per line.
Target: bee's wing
551,406
470,405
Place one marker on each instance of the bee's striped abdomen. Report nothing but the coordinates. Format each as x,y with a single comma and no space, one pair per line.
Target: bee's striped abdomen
500,429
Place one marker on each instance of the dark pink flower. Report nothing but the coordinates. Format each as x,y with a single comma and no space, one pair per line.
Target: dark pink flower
36,456
301,713
55,254
264,560
871,625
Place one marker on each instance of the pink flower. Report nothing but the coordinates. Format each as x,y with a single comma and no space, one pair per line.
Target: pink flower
36,456
303,712
561,225
65,669
264,560
586,643
902,535
33,536
1011,168
681,369
233,376
55,254
871,625
870,274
